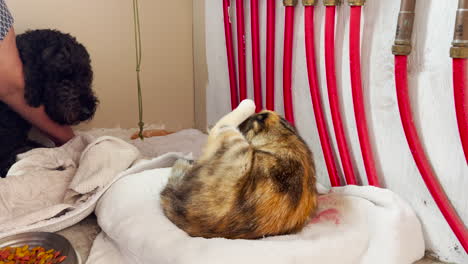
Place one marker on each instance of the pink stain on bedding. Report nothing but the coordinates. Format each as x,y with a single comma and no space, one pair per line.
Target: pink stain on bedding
330,215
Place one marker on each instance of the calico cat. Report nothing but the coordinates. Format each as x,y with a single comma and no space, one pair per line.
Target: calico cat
255,178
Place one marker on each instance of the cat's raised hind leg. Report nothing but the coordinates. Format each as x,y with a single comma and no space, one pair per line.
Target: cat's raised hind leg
245,109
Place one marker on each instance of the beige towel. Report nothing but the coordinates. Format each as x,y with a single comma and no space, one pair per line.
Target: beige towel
45,183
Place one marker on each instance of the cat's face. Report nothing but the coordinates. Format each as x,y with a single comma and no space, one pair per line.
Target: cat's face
266,122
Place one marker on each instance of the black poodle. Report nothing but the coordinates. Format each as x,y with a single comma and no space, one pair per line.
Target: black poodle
58,75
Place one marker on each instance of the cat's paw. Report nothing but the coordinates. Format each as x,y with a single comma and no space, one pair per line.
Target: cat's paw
247,106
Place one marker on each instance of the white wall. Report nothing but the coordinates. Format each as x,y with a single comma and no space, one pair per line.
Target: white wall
431,91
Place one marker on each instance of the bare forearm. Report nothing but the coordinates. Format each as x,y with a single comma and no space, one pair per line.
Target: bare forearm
12,93
37,117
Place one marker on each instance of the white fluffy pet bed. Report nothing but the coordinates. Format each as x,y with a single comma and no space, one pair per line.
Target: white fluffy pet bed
365,225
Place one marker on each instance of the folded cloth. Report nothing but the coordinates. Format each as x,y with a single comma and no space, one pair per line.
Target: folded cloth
52,189
48,182
364,225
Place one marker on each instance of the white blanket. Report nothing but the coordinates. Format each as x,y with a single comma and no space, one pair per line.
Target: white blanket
361,225
50,189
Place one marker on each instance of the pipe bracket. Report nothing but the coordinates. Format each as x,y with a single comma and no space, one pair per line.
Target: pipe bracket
309,2
331,2
289,2
356,2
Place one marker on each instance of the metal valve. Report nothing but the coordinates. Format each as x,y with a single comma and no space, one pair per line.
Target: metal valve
404,29
289,2
309,2
356,2
331,2
459,48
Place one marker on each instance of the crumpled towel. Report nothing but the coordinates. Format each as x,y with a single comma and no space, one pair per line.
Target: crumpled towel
48,182
354,224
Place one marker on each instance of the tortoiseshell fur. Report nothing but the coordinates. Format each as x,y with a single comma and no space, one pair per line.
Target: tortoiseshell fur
256,178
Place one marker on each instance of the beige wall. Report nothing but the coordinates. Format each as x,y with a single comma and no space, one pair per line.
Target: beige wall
105,27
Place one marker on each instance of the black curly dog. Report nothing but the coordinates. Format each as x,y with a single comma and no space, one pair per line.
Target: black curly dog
58,75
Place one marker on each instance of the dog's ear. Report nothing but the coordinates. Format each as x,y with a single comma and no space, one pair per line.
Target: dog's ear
69,103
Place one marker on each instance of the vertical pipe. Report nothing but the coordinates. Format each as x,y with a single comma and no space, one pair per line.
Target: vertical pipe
270,55
401,49
257,78
459,53
461,101
230,54
357,89
241,49
287,59
421,160
309,7
333,91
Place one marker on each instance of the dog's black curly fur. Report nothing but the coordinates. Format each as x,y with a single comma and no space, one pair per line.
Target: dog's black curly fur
58,75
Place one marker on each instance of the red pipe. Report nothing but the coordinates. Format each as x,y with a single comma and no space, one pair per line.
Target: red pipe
257,78
230,54
270,55
241,49
459,53
461,100
333,95
316,99
287,63
358,98
417,150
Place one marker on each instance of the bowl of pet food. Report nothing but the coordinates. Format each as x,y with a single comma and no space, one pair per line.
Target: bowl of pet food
37,248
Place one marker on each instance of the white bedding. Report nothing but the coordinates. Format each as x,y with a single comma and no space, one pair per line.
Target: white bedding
364,225
50,189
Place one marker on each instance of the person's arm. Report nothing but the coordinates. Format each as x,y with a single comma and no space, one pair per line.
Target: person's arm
12,92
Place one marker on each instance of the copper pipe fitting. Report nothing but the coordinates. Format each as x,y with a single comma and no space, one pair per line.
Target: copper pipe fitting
459,48
356,2
404,29
309,2
331,2
289,2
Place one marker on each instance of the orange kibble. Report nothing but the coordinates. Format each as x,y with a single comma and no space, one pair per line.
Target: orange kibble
27,255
